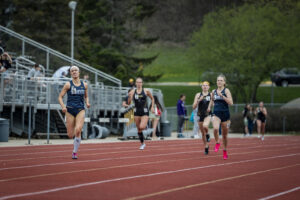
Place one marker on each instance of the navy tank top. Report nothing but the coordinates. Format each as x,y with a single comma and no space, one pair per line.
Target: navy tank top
219,103
76,95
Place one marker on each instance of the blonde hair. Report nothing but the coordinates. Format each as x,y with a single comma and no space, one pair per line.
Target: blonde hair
205,82
74,67
224,78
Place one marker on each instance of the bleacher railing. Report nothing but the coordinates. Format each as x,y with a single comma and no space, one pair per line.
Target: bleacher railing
48,52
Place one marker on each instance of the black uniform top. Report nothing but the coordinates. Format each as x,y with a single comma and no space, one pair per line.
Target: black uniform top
203,105
260,115
140,100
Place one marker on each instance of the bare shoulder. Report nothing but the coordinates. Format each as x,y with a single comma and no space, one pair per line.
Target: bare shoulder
147,91
85,84
67,85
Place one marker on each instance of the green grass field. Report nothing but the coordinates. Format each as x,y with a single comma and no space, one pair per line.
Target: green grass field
172,61
281,95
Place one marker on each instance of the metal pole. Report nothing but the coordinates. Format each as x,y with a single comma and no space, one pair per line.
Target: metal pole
29,123
283,124
72,38
47,61
272,94
23,47
48,124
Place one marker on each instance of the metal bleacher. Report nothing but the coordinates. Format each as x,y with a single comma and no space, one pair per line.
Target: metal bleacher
17,93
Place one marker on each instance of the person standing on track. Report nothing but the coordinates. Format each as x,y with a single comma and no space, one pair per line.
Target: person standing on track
261,113
202,100
77,92
141,111
221,98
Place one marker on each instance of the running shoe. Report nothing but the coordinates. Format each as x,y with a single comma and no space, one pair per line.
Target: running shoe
262,138
142,146
225,156
74,155
196,136
258,136
207,138
206,150
217,147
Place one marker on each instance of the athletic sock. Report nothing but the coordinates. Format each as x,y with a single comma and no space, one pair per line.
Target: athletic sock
141,136
77,141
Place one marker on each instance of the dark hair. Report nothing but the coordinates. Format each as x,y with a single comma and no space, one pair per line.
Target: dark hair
36,65
157,103
182,95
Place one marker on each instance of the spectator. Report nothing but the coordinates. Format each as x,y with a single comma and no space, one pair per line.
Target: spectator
131,83
5,62
250,119
61,72
181,112
154,117
86,78
34,72
196,125
245,111
125,100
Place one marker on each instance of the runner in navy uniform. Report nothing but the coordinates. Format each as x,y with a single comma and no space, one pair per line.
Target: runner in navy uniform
222,98
77,92
141,111
203,101
261,113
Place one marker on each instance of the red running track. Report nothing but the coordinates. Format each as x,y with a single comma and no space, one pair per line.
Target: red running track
174,170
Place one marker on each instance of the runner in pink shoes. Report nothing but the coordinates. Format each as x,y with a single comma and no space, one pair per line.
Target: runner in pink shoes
221,98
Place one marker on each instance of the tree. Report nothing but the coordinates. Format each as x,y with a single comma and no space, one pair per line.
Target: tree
112,30
246,44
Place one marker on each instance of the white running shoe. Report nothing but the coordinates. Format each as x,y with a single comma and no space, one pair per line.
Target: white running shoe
262,138
196,136
258,136
142,146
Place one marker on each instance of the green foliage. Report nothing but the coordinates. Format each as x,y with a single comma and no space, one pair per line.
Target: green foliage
106,31
246,44
112,29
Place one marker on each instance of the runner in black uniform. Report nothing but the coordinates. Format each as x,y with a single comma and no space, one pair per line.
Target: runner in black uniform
222,99
261,113
203,101
141,111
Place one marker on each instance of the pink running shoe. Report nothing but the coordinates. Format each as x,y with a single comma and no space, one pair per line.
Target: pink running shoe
74,155
217,147
225,156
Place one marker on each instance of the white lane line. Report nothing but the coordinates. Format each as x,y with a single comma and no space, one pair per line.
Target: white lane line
280,194
126,165
120,158
194,142
99,149
102,159
138,176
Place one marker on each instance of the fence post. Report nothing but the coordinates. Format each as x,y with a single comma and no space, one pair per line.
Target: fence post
48,124
283,124
29,123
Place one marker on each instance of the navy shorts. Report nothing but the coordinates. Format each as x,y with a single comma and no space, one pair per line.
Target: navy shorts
74,111
222,115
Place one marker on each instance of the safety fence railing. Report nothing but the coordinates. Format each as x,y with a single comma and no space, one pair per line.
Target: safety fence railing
19,90
236,108
51,58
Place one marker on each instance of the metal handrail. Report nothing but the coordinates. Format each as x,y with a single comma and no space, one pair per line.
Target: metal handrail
60,55
29,61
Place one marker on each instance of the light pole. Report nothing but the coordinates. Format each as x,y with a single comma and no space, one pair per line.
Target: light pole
72,5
